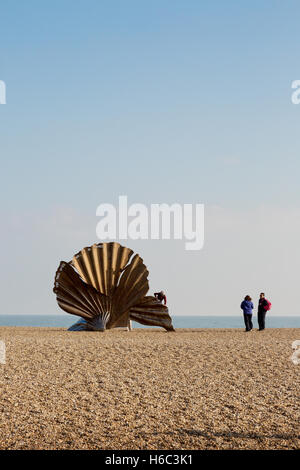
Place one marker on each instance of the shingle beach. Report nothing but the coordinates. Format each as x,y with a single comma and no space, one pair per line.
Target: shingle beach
149,389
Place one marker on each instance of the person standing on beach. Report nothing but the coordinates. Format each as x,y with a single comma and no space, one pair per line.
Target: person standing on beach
263,306
161,297
247,307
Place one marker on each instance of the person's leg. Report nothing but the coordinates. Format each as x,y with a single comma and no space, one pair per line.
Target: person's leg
263,319
259,319
246,319
250,322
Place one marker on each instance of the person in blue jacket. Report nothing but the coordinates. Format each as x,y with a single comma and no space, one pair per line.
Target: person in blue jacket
247,307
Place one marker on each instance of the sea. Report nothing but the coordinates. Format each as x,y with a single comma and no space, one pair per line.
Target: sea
65,321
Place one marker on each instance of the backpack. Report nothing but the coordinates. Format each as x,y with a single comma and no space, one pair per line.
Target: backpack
268,307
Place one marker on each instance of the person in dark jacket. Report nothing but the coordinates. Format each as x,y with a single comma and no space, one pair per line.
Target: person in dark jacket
261,311
161,297
247,307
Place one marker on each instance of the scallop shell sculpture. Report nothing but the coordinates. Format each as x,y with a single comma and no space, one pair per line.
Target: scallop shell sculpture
106,286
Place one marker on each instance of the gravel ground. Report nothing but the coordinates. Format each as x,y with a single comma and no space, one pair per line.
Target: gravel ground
148,389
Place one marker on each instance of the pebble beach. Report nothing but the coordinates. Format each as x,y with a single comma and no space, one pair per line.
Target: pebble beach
148,389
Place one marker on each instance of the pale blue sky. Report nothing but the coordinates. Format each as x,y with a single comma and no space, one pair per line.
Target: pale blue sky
161,100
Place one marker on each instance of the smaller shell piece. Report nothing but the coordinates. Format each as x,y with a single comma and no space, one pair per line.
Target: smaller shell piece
149,311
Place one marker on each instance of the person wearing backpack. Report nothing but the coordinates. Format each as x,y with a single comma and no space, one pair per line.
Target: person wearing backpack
263,306
247,307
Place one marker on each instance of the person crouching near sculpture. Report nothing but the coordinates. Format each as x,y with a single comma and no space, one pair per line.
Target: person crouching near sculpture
247,307
161,297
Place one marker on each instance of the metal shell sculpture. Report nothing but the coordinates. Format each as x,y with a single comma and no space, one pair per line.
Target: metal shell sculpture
106,286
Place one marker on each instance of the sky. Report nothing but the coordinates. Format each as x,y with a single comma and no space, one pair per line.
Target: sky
163,101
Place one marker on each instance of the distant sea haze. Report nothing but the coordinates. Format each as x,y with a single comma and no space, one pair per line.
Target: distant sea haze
65,321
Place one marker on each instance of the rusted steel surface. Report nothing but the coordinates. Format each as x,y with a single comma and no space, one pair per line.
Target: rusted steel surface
106,286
